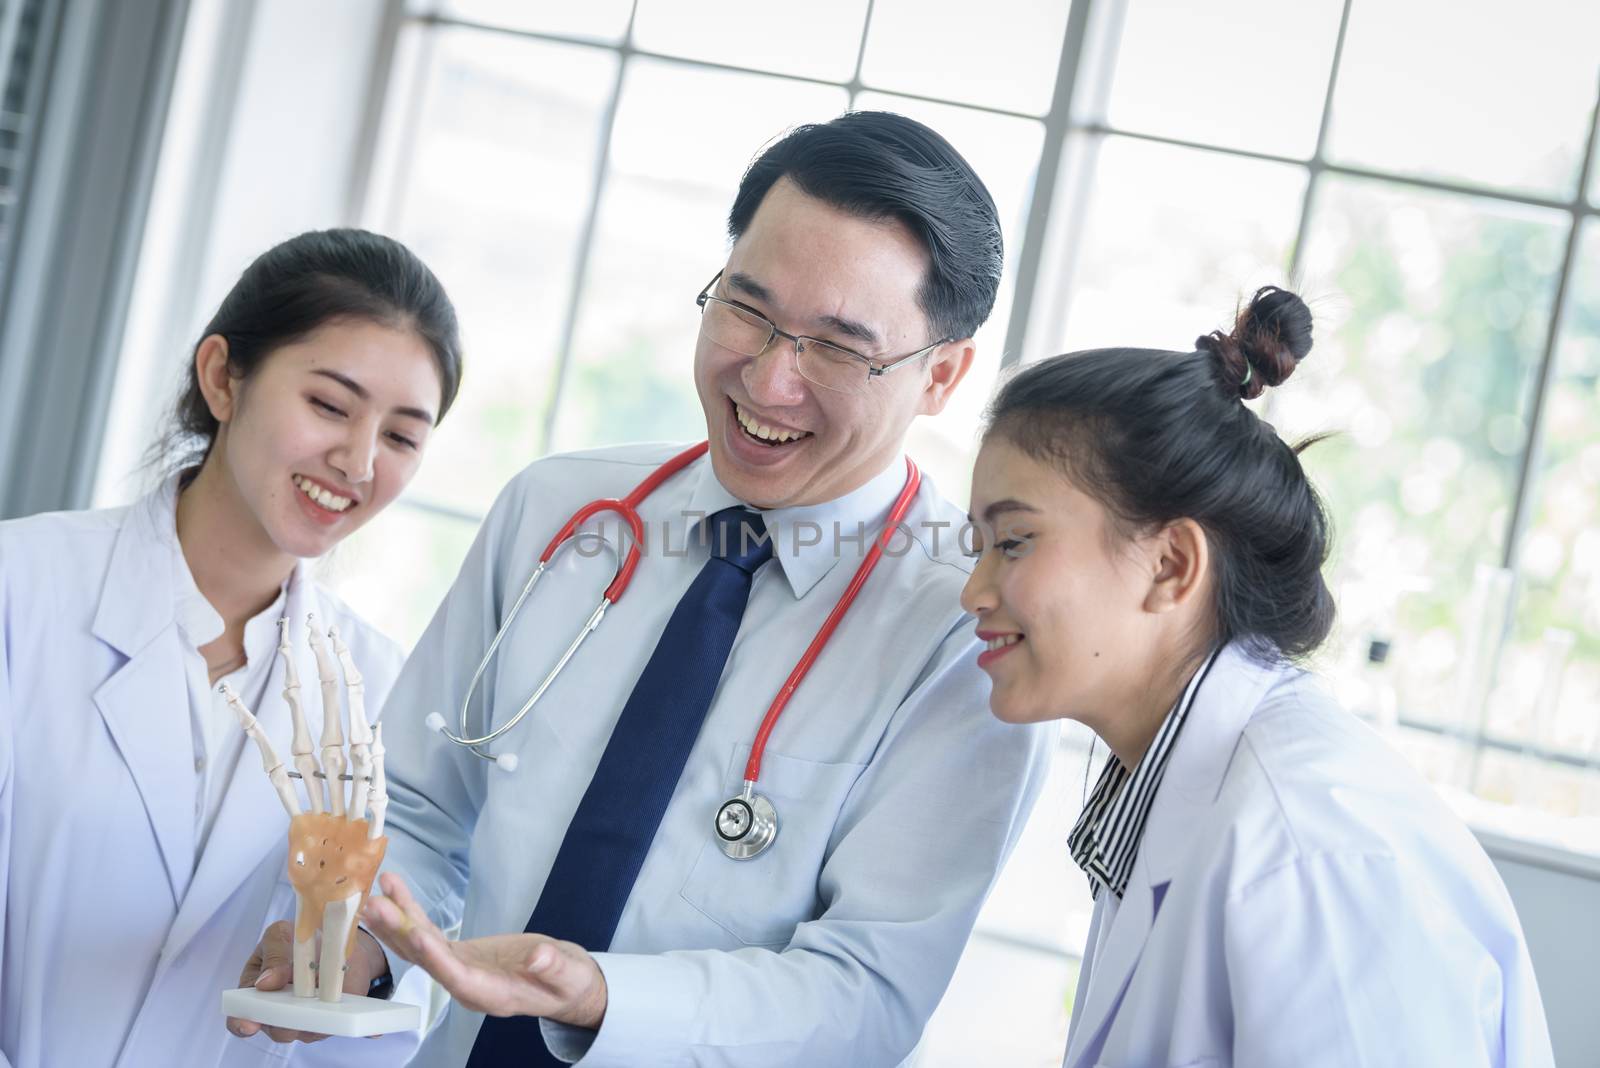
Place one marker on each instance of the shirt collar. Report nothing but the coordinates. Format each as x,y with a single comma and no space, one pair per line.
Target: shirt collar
808,539
1105,840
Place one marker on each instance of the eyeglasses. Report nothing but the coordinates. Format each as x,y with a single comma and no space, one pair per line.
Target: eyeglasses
749,333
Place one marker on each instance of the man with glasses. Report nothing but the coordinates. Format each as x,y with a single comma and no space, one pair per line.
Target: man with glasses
865,255
743,330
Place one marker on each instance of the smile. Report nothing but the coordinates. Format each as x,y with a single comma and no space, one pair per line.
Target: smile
320,496
768,435
996,646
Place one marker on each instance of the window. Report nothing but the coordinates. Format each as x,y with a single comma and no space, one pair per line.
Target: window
567,170
20,25
1437,223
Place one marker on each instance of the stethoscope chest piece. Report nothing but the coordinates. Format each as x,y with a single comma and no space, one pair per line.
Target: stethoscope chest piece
746,825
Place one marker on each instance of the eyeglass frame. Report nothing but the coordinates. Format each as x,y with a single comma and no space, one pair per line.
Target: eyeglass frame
874,368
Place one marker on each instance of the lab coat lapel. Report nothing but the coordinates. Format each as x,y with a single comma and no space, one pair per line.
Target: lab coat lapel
1085,971
1222,708
145,703
251,822
1113,965
1200,756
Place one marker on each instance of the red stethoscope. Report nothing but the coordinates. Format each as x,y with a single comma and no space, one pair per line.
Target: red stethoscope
746,824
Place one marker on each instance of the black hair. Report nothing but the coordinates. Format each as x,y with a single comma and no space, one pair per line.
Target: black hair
1160,436
303,283
879,165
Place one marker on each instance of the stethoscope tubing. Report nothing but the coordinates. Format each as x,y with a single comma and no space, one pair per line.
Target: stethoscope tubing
758,748
628,509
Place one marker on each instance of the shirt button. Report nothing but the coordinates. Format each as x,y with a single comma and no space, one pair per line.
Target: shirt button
199,763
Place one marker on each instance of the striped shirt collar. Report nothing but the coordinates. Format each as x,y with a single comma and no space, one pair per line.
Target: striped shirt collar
1105,840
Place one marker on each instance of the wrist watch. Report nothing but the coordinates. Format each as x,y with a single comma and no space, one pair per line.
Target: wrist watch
382,987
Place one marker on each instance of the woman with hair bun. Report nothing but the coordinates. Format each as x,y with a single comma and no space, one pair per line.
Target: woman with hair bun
142,850
1273,885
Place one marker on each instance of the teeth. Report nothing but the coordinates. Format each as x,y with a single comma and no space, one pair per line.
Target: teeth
1003,641
767,433
331,501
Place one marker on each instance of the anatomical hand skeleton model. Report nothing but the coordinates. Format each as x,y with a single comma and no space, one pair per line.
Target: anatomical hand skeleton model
334,848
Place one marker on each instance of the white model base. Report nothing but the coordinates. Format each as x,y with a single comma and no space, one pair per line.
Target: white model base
352,1016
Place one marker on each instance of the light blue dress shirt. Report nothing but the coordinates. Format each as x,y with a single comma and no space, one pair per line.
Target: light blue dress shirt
898,795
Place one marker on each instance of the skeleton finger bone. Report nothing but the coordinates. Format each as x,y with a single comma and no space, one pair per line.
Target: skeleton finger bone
304,761
360,729
333,760
379,800
276,772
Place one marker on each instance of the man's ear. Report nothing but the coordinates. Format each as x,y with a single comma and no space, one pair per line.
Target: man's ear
947,366
1179,557
219,388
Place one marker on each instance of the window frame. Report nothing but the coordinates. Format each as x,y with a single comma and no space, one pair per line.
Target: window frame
1075,126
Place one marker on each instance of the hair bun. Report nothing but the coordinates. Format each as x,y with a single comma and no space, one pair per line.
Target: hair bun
1270,337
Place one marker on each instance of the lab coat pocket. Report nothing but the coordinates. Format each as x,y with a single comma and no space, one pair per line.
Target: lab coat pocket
760,901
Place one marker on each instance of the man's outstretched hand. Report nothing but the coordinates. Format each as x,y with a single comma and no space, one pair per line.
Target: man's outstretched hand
498,975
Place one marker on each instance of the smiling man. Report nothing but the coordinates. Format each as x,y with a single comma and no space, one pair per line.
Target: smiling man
622,897
844,280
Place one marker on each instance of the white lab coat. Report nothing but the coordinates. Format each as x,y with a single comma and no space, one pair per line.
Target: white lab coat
118,940
1301,897
898,794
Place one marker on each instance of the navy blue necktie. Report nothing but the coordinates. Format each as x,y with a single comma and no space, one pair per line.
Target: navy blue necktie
617,819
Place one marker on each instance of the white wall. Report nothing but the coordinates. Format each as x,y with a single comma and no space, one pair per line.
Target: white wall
264,140
1558,902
